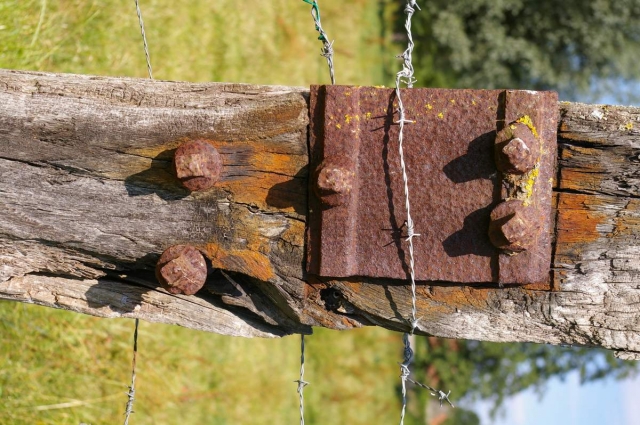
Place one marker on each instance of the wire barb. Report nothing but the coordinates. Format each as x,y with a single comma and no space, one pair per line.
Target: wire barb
327,46
301,382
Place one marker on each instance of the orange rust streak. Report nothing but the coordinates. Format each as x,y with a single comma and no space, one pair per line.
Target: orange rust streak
248,262
294,235
458,296
277,163
627,224
580,180
577,222
581,137
269,192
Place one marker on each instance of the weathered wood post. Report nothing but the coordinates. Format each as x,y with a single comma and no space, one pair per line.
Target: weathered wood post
89,201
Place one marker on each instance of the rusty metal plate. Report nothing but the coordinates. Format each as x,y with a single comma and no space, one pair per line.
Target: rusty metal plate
357,206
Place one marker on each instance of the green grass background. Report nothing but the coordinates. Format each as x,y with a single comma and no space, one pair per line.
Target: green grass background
58,367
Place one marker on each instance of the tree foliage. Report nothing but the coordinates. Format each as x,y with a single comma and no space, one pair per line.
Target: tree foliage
494,371
573,46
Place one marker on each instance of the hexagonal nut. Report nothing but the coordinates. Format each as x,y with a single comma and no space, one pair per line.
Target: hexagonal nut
198,165
181,269
513,227
516,149
334,181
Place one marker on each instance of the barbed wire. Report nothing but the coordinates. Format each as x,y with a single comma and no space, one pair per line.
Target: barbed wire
327,46
327,53
301,382
406,76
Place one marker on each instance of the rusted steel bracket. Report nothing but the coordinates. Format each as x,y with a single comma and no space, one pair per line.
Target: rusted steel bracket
480,164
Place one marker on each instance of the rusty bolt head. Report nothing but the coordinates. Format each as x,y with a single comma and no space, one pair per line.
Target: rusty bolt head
198,165
181,269
335,178
513,226
517,149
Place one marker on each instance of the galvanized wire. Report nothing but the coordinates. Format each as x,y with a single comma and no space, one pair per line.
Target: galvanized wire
132,388
301,382
406,77
327,46
131,394
327,53
144,40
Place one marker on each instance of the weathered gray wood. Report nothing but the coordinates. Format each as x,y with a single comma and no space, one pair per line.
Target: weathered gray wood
88,203
88,195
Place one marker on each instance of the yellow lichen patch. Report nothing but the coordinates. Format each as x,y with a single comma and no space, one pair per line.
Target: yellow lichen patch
429,106
453,101
367,115
348,118
248,262
338,126
532,176
441,115
628,126
473,102
526,120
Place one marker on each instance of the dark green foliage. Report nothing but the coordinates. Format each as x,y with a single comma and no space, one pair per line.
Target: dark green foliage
573,46
494,371
462,417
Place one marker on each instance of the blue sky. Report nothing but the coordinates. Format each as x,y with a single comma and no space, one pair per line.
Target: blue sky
608,402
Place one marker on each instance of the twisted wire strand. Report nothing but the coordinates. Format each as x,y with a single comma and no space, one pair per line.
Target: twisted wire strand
327,53
131,394
327,46
144,40
406,76
301,382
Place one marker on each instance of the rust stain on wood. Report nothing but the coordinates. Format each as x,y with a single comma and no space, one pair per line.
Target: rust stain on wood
294,235
577,223
580,179
450,298
627,221
248,262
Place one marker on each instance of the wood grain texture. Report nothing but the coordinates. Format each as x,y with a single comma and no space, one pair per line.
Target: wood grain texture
89,202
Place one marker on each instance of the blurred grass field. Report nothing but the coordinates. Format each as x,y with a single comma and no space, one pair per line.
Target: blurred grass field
58,367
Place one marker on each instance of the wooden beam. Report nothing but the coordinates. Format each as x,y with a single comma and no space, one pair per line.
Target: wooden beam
88,204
